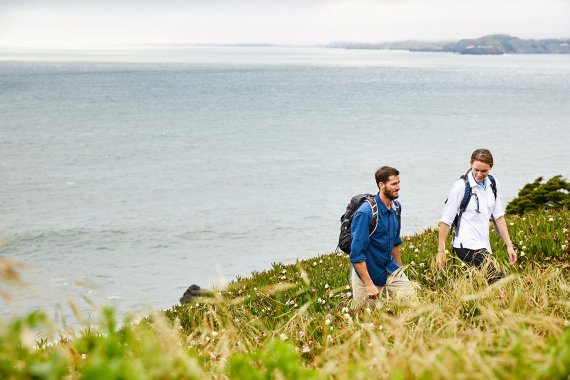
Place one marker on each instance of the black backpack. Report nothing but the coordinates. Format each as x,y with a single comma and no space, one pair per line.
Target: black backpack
345,237
465,201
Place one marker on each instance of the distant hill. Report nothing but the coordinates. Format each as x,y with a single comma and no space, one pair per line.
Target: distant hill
492,44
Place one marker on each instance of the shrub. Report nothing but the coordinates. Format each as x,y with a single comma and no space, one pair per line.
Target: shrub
554,194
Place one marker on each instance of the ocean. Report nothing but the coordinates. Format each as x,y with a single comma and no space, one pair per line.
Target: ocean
128,175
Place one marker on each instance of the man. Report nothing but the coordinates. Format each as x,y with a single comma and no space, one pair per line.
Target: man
376,257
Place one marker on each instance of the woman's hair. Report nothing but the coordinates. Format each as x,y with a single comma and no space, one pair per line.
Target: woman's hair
483,155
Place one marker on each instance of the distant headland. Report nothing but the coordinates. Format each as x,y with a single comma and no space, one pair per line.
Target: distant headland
494,44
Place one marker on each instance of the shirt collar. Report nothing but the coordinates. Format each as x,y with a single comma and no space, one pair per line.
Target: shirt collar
382,207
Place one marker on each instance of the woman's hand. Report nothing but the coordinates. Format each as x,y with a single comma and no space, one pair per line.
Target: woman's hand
512,255
441,259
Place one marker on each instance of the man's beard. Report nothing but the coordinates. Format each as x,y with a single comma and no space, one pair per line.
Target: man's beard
390,195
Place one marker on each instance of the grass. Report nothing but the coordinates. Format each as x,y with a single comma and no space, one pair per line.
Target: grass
296,322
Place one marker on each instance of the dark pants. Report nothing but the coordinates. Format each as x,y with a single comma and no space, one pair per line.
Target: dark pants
477,258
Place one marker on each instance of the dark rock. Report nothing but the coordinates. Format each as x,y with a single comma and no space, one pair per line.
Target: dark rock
193,291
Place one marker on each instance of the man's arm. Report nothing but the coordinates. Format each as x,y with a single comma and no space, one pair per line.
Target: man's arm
371,289
441,258
360,240
504,231
396,255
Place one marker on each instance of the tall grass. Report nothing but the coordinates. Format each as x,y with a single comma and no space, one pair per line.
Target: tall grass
296,321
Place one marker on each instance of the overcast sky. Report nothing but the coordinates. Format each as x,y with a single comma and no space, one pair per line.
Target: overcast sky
100,23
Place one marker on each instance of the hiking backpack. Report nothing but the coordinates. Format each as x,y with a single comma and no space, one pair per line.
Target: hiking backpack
465,201
345,236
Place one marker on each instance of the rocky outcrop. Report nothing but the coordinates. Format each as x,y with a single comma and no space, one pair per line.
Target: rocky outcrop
192,292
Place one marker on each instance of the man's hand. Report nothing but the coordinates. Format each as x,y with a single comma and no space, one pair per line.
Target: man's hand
441,259
372,291
512,255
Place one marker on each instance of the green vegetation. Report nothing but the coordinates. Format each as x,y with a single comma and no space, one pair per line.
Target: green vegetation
296,322
554,194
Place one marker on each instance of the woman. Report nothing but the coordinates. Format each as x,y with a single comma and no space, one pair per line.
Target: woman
479,195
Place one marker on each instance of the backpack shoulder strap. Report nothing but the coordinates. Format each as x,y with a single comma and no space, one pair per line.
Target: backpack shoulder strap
372,202
466,194
398,208
399,213
493,185
494,188
462,205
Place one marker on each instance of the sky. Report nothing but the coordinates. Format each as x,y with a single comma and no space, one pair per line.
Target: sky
107,23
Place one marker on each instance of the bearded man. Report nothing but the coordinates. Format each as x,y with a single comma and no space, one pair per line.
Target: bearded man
375,255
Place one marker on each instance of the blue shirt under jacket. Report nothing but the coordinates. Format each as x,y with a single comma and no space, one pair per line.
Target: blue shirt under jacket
376,249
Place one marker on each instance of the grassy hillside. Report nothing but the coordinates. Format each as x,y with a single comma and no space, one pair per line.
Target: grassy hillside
295,321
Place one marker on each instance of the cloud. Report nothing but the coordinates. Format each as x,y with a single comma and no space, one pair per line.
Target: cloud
102,23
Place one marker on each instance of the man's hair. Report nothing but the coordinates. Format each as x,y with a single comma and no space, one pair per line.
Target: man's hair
384,173
483,155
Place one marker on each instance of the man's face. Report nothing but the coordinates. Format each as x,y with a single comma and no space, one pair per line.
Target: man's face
391,189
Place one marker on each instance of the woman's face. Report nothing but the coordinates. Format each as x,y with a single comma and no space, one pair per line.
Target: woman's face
480,170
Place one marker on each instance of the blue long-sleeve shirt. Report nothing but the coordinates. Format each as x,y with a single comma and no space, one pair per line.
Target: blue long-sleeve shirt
376,249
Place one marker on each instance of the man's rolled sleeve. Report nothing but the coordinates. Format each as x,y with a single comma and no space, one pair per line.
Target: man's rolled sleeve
398,241
360,236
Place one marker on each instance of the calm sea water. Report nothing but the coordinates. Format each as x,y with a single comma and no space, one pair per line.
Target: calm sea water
128,176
